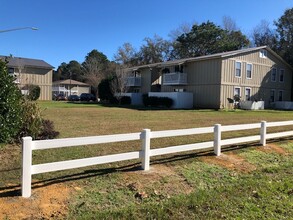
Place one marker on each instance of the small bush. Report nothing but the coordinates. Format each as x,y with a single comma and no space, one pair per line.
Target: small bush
31,119
154,101
125,100
47,130
34,92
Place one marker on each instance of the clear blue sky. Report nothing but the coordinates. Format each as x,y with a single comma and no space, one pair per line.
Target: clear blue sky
69,29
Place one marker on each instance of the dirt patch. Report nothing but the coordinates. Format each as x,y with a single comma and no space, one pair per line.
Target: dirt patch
273,148
160,179
45,203
230,161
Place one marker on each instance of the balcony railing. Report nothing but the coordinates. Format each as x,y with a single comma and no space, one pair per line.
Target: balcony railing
175,78
133,81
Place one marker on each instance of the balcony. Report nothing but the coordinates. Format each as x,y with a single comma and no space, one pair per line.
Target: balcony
175,79
133,81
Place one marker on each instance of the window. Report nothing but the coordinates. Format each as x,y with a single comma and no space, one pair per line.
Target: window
263,54
272,95
280,95
247,94
281,75
11,71
248,71
238,69
273,74
179,68
237,91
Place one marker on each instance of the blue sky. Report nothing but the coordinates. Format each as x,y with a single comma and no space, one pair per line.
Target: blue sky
69,29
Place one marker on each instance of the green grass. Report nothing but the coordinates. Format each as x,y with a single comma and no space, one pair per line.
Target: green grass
180,186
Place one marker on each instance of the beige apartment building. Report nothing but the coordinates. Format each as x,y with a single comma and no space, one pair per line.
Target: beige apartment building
255,74
31,71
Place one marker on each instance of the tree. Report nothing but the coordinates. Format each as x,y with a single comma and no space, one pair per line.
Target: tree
285,34
126,55
119,83
207,38
263,35
229,24
95,68
10,106
69,70
155,50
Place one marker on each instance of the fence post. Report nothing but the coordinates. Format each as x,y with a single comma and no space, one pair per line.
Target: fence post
263,133
217,139
146,142
26,167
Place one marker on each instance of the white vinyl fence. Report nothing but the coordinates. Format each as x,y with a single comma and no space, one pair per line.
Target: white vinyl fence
144,154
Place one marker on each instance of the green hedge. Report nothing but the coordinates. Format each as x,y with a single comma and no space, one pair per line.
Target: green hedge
154,101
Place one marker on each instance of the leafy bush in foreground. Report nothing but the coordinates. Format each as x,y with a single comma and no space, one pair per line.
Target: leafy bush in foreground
10,106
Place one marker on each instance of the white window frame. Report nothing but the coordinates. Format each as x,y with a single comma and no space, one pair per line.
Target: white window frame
250,70
236,69
272,74
248,88
282,70
282,92
263,54
273,90
236,87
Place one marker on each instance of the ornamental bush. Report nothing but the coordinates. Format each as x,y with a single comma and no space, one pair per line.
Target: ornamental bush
33,92
10,106
155,101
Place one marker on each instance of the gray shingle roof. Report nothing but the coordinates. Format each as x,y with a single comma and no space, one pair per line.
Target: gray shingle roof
206,57
26,62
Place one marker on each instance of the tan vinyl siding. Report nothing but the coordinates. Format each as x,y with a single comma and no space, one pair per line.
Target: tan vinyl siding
81,89
40,77
260,82
203,78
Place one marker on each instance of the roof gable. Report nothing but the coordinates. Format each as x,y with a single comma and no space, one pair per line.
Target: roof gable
70,82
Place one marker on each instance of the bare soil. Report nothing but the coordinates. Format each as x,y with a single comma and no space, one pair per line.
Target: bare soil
230,161
273,148
45,203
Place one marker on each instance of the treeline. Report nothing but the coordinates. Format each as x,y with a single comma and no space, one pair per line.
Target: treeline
188,40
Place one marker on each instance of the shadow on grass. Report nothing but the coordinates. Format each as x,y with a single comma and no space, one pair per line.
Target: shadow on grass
15,190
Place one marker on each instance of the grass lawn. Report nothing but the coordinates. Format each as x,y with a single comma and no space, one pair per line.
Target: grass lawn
247,182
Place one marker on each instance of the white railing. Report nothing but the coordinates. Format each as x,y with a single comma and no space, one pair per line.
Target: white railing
133,81
176,78
28,145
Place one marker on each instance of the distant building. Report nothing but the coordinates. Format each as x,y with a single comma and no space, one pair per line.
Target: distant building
253,74
69,87
31,72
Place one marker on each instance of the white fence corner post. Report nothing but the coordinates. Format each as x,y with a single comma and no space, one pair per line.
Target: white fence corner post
146,143
263,133
217,139
26,181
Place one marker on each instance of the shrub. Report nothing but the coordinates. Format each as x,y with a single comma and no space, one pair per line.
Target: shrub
154,101
31,119
104,89
47,130
125,100
10,106
34,92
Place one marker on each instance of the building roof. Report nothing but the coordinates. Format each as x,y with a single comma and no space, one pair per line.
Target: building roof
70,82
26,62
211,56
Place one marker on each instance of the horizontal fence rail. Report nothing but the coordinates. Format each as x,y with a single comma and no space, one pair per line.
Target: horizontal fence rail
28,145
